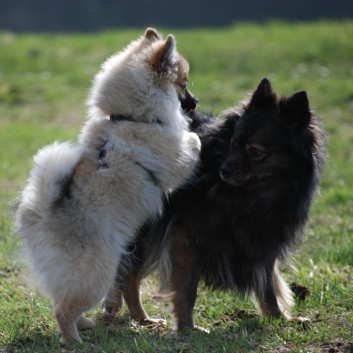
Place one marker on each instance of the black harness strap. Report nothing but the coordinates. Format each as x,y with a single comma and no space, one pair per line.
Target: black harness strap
120,117
117,118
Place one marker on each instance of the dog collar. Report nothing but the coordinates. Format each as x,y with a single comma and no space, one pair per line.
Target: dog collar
120,117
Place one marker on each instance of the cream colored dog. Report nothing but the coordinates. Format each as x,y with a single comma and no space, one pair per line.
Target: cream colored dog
85,202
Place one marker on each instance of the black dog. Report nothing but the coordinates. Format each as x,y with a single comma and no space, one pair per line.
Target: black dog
261,167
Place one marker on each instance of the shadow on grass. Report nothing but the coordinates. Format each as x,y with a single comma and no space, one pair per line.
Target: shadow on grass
237,331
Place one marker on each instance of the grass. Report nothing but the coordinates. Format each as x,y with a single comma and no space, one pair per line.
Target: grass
44,80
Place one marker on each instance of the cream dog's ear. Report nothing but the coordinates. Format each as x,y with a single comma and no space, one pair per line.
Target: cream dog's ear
165,57
152,35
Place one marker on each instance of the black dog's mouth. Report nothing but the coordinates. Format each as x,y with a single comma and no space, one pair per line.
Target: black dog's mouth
231,180
234,178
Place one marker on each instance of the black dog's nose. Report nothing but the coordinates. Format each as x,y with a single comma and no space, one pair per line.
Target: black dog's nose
226,169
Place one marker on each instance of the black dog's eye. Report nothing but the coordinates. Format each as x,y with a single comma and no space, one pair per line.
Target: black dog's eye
256,152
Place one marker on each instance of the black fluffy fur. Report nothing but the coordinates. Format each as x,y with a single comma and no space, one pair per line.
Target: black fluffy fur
261,164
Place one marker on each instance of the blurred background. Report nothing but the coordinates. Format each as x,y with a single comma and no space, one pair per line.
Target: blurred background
49,53
93,15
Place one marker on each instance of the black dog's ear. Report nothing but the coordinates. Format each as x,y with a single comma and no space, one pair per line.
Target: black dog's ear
230,124
297,110
165,56
231,121
263,94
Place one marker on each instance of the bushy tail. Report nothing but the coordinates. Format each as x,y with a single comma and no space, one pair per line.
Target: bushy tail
53,167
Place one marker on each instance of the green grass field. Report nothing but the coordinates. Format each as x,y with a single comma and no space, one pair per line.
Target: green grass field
44,81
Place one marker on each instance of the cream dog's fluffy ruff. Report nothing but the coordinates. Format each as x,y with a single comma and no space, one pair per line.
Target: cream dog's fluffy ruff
84,202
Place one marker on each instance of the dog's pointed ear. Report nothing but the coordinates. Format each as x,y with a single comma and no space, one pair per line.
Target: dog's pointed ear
296,109
263,94
152,35
165,57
